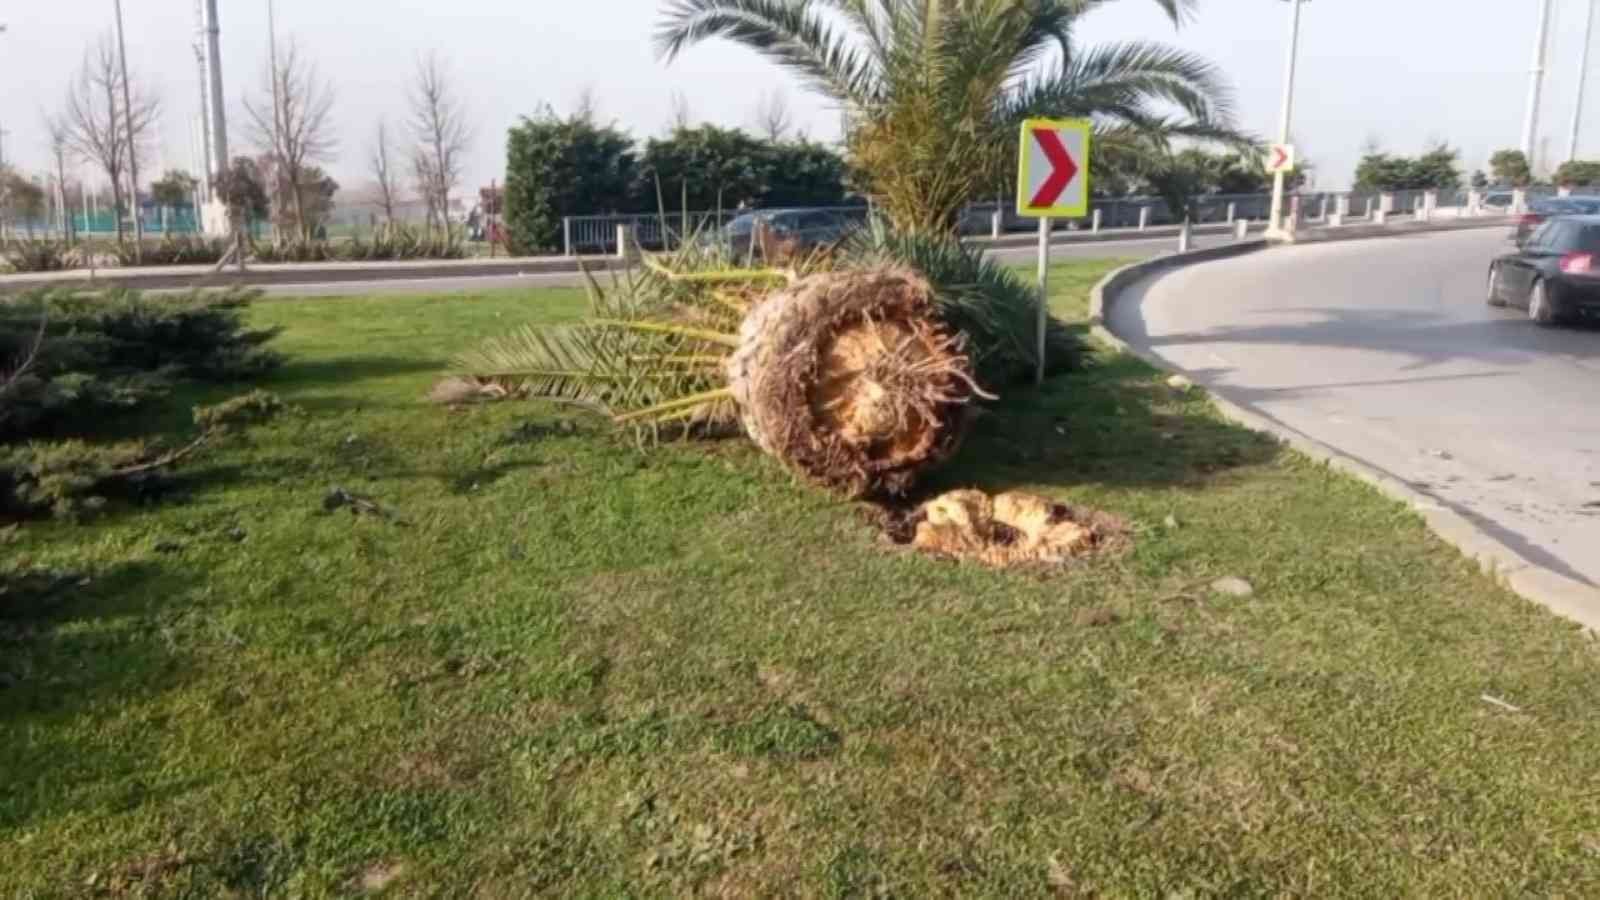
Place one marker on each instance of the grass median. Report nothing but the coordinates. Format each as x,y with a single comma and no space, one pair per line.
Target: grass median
553,663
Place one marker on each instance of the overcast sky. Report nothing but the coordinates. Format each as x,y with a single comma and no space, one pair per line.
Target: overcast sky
1396,71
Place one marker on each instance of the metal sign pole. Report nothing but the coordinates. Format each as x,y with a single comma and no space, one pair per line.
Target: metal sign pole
1044,294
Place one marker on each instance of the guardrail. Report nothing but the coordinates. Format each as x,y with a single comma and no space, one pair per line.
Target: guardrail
598,234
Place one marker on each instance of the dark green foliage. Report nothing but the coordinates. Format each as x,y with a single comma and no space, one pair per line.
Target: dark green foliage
705,167
242,411
1433,170
559,167
989,303
1511,167
76,478
242,188
70,479
175,188
724,167
114,351
802,173
1578,173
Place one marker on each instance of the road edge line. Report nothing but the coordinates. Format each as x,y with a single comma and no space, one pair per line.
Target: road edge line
1564,596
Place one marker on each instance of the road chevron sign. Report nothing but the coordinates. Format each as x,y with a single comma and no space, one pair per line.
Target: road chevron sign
1053,169
1280,158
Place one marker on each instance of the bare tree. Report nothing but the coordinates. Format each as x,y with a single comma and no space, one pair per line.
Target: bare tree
60,134
427,184
381,164
588,107
293,121
439,121
98,129
682,117
772,116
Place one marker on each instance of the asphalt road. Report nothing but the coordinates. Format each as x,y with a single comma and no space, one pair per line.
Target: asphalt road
1137,249
1385,350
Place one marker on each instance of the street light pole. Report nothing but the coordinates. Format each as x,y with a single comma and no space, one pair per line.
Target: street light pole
1275,220
1583,76
1530,123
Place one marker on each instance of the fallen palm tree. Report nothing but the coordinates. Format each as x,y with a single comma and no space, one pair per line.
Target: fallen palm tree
855,367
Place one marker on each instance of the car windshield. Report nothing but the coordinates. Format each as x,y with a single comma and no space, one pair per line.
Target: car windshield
743,224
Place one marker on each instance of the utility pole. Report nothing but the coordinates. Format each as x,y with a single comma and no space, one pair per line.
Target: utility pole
1275,219
1583,76
217,125
2,168
204,160
133,152
1530,124
277,108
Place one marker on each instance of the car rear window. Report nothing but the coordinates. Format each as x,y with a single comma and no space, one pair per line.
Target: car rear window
1588,239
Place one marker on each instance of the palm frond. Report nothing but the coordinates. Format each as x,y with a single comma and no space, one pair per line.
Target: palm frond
1124,81
793,33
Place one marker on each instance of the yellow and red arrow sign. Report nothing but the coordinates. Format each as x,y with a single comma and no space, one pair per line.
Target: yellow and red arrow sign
1053,168
1280,158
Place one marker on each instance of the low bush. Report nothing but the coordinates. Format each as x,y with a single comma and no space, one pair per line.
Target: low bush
175,250
76,478
75,356
393,242
35,256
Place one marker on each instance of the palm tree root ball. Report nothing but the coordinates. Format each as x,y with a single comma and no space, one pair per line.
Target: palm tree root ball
849,378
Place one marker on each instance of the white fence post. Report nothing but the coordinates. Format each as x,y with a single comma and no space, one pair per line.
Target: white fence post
566,234
624,242
1241,229
1183,237
1144,217
1233,211
1096,219
994,224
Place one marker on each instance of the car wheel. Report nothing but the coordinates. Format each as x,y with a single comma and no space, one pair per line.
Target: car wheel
1539,308
1494,287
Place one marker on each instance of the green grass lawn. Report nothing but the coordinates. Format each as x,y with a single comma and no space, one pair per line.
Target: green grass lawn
572,668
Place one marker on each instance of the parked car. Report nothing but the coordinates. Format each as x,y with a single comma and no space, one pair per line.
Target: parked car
1550,207
791,230
1554,274
1499,201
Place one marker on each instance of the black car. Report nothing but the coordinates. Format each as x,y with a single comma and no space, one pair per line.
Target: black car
1555,273
797,228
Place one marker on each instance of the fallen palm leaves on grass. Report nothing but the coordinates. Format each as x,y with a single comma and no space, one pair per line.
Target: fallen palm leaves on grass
857,366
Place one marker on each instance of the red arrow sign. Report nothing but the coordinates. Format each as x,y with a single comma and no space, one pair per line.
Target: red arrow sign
1279,158
1063,168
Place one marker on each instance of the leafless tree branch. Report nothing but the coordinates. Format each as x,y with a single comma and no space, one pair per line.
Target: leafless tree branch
381,164
96,127
439,123
772,116
297,127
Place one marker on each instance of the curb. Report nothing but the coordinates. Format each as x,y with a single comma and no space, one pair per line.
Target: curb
1561,595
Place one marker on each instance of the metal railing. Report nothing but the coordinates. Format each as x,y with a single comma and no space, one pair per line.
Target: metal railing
598,234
